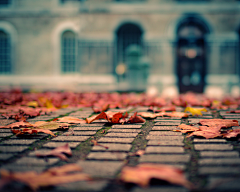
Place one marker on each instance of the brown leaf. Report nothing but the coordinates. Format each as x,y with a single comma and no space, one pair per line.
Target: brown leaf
52,125
187,128
206,134
69,119
136,119
51,177
97,144
232,133
217,122
31,131
60,152
17,125
95,117
176,114
143,173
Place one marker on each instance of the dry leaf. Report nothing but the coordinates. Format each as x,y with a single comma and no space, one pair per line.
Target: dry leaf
136,119
186,128
31,131
219,122
143,173
195,111
69,119
51,177
232,133
60,152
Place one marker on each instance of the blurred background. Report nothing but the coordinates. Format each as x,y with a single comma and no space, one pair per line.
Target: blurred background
165,46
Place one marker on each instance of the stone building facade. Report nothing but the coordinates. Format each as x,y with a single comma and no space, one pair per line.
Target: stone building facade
81,42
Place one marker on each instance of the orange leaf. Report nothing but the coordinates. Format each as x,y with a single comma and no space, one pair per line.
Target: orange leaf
217,122
143,173
136,119
31,131
69,119
58,152
232,133
206,134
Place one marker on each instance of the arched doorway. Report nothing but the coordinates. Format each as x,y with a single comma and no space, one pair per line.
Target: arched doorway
126,35
191,55
5,53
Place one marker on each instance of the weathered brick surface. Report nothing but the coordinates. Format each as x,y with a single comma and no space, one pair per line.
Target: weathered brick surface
157,149
71,138
121,135
168,123
219,154
165,137
13,149
101,168
178,158
221,147
87,128
36,161
4,156
160,189
219,170
165,133
162,128
107,155
18,142
126,131
5,134
196,140
165,142
224,183
58,144
220,161
112,147
135,126
115,140
76,133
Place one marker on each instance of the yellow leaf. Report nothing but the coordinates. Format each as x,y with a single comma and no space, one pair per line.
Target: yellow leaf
32,104
195,111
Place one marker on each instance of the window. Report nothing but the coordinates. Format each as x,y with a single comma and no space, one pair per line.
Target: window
5,3
68,52
65,1
5,53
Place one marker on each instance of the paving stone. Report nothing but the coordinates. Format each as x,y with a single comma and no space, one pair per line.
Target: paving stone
221,147
237,127
24,168
58,144
167,123
160,189
195,140
219,154
165,137
124,130
165,143
107,155
36,161
4,156
18,142
87,128
222,184
115,140
101,168
219,161
165,133
157,149
13,149
5,130
230,116
5,134
76,133
178,158
156,128
26,136
4,122
168,118
194,121
83,186
70,138
121,135
112,147
93,124
219,170
135,126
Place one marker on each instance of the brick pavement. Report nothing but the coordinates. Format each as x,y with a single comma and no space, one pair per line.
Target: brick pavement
212,164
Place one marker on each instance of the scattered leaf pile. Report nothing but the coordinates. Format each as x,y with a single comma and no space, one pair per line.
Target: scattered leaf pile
211,128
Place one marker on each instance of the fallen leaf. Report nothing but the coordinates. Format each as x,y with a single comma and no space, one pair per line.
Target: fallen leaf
16,125
51,177
60,152
97,144
219,122
206,134
51,125
102,115
176,114
232,133
186,128
69,119
30,131
195,111
136,119
143,173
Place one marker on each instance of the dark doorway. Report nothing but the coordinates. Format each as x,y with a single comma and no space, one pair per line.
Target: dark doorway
191,56
126,34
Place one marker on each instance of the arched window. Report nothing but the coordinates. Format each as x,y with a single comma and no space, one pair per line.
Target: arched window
69,52
5,53
127,34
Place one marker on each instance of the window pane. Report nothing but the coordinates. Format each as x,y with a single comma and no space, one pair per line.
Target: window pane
5,53
68,52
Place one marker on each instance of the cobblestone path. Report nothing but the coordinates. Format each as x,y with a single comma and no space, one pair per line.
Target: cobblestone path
211,164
